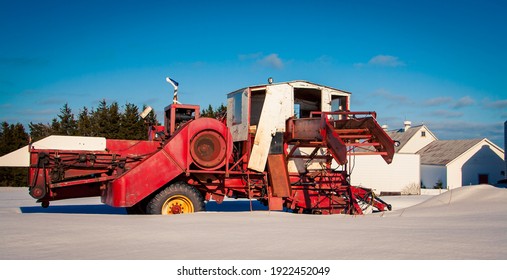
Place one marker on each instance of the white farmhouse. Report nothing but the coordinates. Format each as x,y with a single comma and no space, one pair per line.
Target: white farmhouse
412,139
421,160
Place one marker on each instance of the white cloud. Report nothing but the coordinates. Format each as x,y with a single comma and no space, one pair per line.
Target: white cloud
272,61
499,104
463,102
447,114
382,61
459,129
386,60
395,98
437,101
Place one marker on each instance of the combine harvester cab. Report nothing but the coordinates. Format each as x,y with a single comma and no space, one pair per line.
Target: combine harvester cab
287,145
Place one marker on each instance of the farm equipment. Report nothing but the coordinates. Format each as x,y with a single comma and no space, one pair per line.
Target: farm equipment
288,145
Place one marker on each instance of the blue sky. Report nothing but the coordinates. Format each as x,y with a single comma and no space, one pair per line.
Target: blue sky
441,63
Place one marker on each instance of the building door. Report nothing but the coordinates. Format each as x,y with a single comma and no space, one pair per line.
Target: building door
483,179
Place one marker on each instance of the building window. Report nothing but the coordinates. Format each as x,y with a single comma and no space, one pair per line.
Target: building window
237,109
423,133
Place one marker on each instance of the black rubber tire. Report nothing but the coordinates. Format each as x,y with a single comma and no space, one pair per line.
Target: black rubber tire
181,191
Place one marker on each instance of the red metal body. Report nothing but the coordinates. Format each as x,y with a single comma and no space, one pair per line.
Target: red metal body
200,152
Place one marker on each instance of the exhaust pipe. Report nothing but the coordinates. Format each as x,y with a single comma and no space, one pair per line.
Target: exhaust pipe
175,85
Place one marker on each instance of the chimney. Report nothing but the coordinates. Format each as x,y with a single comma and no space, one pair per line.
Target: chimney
385,127
406,125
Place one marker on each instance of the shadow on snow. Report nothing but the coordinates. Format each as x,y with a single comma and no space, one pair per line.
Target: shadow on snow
211,206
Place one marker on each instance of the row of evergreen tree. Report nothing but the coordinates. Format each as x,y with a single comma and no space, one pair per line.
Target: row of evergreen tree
107,120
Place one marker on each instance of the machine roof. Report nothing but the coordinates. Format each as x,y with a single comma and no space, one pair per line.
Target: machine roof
296,83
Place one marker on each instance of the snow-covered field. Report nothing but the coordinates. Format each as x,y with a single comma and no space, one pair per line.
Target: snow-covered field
469,223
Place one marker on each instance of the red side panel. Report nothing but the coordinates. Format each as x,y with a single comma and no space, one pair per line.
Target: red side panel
151,174
131,147
161,168
335,144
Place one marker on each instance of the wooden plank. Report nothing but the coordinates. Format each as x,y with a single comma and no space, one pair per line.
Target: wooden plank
275,112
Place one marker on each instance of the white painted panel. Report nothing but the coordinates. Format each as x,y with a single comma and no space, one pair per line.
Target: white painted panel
21,157
284,94
277,108
79,143
325,100
18,158
373,172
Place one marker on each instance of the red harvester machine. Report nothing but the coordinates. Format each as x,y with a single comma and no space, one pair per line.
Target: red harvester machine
287,145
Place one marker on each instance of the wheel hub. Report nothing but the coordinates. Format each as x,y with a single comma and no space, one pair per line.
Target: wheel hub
177,204
176,209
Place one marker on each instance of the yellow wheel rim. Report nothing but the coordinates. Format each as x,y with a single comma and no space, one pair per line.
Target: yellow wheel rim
177,204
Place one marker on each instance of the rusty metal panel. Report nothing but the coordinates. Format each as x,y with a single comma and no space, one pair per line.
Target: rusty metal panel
278,175
306,129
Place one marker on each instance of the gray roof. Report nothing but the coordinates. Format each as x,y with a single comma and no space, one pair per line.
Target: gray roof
442,152
403,136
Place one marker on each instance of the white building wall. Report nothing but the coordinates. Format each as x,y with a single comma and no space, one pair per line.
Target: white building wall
431,174
418,141
453,176
483,158
399,176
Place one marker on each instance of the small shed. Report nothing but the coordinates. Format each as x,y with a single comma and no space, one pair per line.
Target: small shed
451,164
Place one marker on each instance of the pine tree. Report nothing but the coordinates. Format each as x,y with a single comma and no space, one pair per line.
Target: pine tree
67,124
55,126
39,131
84,123
100,120
132,126
114,122
12,137
210,112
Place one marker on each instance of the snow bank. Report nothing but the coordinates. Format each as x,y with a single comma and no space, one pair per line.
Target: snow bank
467,223
465,201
